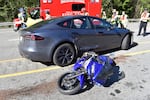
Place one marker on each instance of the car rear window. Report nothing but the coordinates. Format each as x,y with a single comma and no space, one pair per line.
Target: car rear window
42,23
45,22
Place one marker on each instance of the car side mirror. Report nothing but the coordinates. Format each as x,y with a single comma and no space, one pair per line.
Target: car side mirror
110,28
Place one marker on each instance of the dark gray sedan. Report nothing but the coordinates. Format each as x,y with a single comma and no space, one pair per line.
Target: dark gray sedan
59,40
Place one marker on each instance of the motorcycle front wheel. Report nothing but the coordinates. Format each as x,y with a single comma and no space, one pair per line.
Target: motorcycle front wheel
68,85
16,28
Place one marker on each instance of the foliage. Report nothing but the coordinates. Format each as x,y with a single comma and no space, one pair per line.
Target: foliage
107,7
9,8
132,8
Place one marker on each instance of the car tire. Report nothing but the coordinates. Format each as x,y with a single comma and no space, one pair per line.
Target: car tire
64,55
126,42
63,83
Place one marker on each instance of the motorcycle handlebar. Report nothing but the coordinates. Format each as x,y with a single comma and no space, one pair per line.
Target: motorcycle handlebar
90,54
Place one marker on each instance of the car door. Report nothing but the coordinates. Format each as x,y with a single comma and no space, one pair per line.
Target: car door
83,34
107,36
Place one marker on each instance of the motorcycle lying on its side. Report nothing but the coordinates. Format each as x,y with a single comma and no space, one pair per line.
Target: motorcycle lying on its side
18,24
89,69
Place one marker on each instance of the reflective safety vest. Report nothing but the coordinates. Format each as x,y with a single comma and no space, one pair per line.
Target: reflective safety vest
144,17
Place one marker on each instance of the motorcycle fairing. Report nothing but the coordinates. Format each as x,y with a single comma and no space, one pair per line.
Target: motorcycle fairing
102,69
97,69
78,65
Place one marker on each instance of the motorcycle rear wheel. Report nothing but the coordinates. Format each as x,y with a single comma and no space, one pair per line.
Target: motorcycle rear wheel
16,28
68,86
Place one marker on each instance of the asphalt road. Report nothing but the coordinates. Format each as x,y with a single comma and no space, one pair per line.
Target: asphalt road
22,79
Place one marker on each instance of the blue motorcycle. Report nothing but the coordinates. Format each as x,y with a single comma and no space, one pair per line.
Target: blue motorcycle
89,69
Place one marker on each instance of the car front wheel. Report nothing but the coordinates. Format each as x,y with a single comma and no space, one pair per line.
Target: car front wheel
64,55
126,42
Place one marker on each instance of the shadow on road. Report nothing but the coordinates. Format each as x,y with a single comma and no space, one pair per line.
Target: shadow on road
134,44
148,33
99,53
47,63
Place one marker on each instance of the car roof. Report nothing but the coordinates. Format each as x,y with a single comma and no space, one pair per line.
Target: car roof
57,20
63,18
67,17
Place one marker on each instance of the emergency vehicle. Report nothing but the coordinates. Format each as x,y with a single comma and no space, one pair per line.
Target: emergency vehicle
58,8
70,7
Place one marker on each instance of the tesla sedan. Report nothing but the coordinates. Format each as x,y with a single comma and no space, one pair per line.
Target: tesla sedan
59,40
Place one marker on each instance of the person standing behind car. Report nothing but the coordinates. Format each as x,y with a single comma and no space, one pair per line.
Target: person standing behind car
124,20
22,16
84,12
143,22
48,16
115,18
104,15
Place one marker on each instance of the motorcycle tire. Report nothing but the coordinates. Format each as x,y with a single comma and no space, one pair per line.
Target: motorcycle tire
68,86
16,29
121,75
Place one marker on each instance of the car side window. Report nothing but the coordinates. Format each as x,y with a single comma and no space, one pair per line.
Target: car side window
77,23
80,23
65,24
98,23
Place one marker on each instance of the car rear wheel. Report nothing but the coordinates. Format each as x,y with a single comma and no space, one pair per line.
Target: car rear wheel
126,42
64,55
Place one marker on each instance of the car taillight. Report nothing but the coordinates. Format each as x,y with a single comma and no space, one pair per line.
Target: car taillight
34,37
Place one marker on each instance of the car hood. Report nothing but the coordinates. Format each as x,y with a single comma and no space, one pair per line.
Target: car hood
123,30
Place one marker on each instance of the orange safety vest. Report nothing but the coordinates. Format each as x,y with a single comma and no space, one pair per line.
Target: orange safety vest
144,17
122,17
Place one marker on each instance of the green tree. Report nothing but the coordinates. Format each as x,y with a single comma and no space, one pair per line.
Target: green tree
140,6
9,8
107,7
132,7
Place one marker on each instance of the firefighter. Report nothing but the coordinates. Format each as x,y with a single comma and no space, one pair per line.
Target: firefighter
123,20
115,18
22,17
104,15
84,12
48,16
143,21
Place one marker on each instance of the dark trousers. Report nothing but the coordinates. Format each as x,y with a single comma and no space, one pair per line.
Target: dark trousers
142,25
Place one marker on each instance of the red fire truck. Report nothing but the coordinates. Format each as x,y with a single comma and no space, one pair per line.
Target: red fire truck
70,7
61,8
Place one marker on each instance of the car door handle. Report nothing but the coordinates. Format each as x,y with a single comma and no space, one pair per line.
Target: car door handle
75,33
100,33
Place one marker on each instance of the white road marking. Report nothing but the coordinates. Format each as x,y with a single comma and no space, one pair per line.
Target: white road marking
10,40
